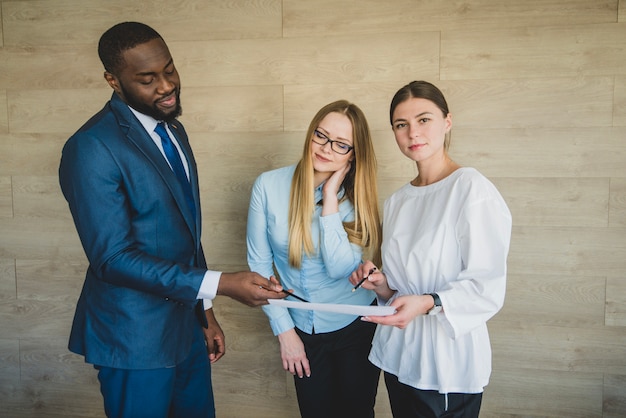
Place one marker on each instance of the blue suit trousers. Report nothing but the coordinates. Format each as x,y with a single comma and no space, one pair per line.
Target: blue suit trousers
181,391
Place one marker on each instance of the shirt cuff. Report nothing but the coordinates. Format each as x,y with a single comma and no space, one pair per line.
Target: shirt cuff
208,288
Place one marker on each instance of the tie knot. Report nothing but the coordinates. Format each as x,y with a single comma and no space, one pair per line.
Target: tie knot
160,129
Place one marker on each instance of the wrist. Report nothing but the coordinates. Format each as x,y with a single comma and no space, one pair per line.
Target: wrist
436,307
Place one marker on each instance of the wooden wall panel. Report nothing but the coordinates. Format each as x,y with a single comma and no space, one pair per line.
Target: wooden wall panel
558,348
45,67
51,399
56,239
548,300
614,399
10,364
372,16
33,154
541,152
313,60
557,201
531,392
619,105
39,197
233,109
45,22
537,90
4,114
63,283
616,301
6,197
303,101
568,250
533,52
617,202
8,284
523,103
53,111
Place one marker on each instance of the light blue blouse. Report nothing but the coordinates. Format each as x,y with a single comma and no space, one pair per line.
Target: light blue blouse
323,276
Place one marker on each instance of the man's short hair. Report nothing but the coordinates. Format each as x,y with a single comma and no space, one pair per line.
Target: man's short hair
120,38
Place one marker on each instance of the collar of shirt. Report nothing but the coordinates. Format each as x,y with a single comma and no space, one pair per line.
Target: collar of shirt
149,124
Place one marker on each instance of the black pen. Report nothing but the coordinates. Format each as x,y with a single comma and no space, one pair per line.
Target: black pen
288,293
364,279
295,296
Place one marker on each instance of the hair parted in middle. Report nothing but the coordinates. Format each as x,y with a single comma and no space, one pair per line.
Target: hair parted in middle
360,188
420,89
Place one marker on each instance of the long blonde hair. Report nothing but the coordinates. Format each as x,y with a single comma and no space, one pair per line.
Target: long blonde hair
360,189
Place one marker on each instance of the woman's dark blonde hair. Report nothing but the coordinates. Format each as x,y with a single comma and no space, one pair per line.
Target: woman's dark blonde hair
359,185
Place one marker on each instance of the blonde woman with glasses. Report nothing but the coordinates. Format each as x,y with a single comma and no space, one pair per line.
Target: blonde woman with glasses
313,223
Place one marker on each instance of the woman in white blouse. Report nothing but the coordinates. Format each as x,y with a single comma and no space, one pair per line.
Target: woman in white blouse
446,238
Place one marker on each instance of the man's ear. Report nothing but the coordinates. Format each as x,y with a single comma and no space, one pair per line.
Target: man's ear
112,80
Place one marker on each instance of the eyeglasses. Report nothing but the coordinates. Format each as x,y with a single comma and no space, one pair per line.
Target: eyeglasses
337,146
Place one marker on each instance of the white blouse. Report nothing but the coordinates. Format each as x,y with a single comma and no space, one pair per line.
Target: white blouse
451,237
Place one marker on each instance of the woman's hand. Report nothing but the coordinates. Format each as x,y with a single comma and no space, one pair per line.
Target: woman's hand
408,307
293,354
331,188
376,280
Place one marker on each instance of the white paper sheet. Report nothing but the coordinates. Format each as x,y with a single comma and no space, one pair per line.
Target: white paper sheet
366,310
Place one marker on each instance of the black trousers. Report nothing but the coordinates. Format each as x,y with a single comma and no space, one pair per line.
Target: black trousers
343,383
409,402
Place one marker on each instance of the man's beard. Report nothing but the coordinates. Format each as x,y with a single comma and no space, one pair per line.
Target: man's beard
153,110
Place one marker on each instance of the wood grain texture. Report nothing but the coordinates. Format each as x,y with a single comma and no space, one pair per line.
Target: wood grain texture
8,285
10,359
557,201
619,102
39,197
570,51
556,348
372,16
549,300
617,202
521,392
567,250
45,67
6,197
44,22
312,60
4,114
614,399
537,91
616,301
32,154
588,152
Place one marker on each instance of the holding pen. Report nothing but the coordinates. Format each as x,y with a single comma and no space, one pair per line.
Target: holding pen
369,273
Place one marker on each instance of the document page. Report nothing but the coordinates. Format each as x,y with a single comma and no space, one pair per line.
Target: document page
361,310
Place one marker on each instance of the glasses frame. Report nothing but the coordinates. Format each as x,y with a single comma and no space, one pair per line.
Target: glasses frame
321,136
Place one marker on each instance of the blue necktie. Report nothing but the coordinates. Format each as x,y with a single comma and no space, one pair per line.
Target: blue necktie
177,165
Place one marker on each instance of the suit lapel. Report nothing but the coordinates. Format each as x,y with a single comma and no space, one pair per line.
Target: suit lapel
142,140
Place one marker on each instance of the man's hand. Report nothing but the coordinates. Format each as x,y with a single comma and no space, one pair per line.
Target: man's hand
214,337
250,288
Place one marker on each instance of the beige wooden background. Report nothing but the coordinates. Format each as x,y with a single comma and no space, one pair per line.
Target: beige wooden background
537,89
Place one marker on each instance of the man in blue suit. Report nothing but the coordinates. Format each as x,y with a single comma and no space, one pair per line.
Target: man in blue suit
144,318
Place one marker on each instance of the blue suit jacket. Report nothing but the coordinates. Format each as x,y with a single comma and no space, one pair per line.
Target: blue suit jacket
146,264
